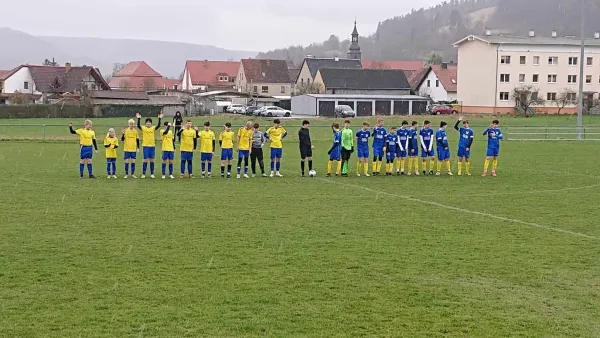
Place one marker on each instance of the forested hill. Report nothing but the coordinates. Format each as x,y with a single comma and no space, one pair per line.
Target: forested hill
418,34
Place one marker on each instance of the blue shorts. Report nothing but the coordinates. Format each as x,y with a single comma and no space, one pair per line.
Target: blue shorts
130,155
206,157
443,154
463,152
111,160
86,152
425,154
149,152
378,152
335,155
390,156
168,155
363,153
400,153
492,152
187,155
243,153
276,153
226,154
413,152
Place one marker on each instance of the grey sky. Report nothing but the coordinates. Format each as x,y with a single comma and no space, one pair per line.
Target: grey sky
256,25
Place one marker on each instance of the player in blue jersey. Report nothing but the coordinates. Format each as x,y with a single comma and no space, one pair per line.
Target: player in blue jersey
443,149
379,134
494,135
402,150
464,146
413,149
362,148
391,144
426,135
335,153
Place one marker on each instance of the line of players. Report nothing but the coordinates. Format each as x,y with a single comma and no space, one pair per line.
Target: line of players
398,145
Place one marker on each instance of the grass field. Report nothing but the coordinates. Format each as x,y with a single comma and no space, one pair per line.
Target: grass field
516,255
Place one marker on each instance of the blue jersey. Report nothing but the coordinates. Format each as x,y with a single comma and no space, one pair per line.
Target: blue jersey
391,142
466,137
494,136
441,138
379,134
403,138
413,142
337,141
427,138
362,139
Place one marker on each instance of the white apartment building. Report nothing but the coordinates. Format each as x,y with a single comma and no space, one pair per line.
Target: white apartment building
490,67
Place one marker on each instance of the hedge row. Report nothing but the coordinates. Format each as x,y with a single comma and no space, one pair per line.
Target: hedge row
73,111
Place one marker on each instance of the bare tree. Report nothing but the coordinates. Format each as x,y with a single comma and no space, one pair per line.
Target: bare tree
379,65
435,59
148,84
125,85
425,92
310,88
525,97
47,62
20,98
117,67
565,97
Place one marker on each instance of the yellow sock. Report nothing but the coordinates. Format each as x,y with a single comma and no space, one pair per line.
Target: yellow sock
486,165
366,167
378,166
416,165
398,164
374,166
329,165
448,166
439,166
425,165
358,166
431,164
402,162
410,163
494,164
339,167
459,167
468,166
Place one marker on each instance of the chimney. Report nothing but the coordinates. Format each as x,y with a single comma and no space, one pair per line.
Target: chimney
444,65
597,35
554,34
531,33
488,32
67,66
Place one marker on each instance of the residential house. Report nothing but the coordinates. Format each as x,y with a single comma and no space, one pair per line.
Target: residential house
310,66
491,67
363,81
139,76
437,82
210,75
114,102
265,77
50,82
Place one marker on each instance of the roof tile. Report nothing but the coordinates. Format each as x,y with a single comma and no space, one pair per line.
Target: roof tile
207,72
371,79
266,71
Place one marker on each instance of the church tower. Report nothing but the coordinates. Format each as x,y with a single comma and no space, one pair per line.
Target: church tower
354,52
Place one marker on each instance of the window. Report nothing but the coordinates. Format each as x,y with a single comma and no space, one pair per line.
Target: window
572,97
588,79
536,60
551,96
428,83
536,78
437,83
505,59
521,78
255,89
265,89
225,78
25,85
503,96
590,61
505,78
282,89
552,78
534,95
93,86
523,60
553,60
572,61
301,81
572,79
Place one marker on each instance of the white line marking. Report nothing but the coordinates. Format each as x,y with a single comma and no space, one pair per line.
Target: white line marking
532,192
467,211
129,251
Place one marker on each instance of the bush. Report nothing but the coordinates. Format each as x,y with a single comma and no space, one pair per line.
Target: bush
44,111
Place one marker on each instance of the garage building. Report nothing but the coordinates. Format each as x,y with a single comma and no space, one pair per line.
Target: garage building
363,105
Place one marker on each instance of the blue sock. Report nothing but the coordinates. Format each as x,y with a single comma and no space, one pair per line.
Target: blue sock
229,169
203,167
190,167
144,167
170,168
278,164
182,167
272,165
222,170
209,167
89,166
246,170
81,166
114,168
151,168
239,169
132,168
164,169
126,168
108,166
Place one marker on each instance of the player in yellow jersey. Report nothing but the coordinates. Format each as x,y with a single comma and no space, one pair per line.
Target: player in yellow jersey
131,146
111,143
148,142
226,138
275,135
244,145
207,149
168,150
87,139
189,142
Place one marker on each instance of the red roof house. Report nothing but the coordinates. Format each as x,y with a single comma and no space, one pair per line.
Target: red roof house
202,75
139,76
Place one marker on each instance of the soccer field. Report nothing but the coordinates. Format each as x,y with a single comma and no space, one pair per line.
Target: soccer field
515,255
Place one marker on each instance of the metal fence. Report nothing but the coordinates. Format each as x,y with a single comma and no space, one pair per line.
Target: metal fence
570,133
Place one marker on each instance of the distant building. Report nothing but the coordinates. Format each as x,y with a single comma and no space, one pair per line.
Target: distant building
139,76
311,65
437,82
354,52
264,77
206,75
363,81
405,65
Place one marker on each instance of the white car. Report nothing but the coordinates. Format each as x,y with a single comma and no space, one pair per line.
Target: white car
272,111
236,109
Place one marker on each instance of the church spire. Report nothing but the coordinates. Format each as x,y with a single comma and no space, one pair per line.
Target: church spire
354,52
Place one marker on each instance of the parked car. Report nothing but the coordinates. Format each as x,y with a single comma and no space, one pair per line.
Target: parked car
272,111
343,111
236,109
443,110
250,110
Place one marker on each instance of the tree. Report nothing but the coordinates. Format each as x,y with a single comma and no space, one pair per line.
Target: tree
148,84
125,85
565,97
379,65
435,59
525,97
20,98
117,67
310,88
47,62
425,92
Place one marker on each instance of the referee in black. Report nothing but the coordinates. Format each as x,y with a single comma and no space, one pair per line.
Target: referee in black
306,147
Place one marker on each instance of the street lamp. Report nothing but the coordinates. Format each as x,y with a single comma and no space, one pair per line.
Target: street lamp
580,96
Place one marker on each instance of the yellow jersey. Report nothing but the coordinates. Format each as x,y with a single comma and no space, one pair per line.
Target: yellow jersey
167,140
130,139
86,137
226,139
245,138
111,150
276,136
187,140
206,141
148,136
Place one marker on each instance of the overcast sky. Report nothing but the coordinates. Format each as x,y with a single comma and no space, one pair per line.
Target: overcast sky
254,25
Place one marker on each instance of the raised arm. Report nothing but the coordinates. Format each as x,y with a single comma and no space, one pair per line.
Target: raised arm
71,129
456,125
139,121
160,116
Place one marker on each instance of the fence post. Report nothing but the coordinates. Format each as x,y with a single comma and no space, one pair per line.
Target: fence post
44,132
546,134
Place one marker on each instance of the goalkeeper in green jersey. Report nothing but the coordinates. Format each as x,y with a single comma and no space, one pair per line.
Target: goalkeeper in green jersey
347,147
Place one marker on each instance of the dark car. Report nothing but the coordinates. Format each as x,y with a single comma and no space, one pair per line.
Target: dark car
344,111
443,110
250,110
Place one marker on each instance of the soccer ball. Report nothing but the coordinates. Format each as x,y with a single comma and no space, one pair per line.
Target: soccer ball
312,173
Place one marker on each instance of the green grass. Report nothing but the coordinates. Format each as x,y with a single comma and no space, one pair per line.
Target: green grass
516,255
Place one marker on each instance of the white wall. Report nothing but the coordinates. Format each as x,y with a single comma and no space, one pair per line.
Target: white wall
434,88
17,82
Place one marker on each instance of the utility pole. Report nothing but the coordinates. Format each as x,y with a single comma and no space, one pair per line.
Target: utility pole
580,96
